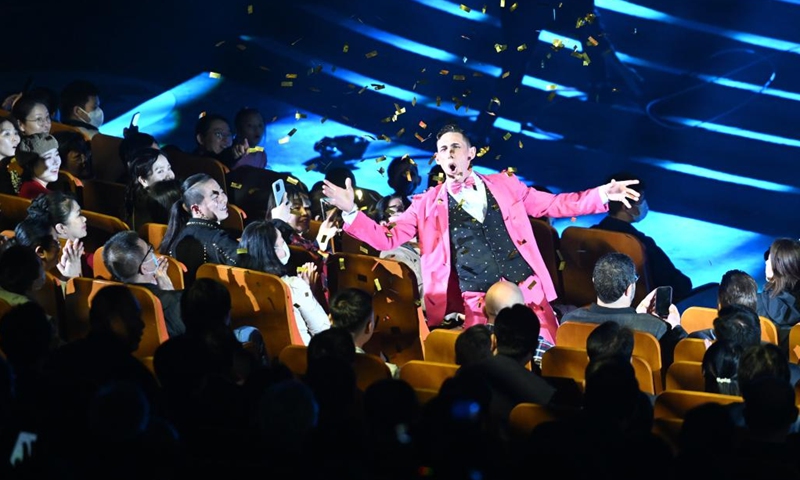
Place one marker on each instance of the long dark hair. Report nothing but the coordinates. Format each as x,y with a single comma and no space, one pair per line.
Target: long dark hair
785,259
140,165
257,247
180,213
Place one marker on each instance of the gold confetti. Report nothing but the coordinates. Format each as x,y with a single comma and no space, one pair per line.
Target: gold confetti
520,144
380,159
311,167
214,75
387,119
511,171
291,132
237,186
363,89
522,47
296,41
323,119
298,115
381,171
532,284
363,249
371,54
465,8
444,72
507,136
249,9
439,177
219,44
592,41
419,137
241,251
292,180
401,132
502,3
287,84
385,137
423,125
377,284
583,56
408,175
341,264
438,101
241,47
590,18
499,47
513,7
345,48
561,263
291,76
483,10
551,96
482,151
283,140
558,44
477,74
414,102
505,74
459,78
255,150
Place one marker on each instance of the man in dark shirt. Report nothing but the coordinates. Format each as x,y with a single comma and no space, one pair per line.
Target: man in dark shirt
621,219
131,260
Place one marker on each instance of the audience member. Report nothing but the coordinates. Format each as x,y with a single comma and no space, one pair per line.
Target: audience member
779,301
40,167
351,309
132,141
147,168
263,248
403,178
80,107
32,115
720,366
474,345
9,168
250,132
295,209
621,219
76,153
131,260
194,235
63,213
610,339
735,288
21,273
39,235
614,278
215,140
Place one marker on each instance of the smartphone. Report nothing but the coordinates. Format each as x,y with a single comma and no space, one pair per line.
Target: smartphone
135,120
663,301
278,191
325,208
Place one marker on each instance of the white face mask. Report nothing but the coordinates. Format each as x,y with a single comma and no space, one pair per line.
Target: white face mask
96,117
286,253
643,209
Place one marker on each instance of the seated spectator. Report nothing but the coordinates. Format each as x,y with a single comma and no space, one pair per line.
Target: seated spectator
474,344
735,288
779,301
39,235
610,339
296,211
9,168
720,367
263,249
250,132
63,213
215,140
32,115
76,153
147,167
504,294
80,107
403,178
131,260
132,141
21,273
194,235
351,309
621,219
40,167
614,278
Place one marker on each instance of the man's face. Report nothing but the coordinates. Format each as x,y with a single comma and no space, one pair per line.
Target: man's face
454,155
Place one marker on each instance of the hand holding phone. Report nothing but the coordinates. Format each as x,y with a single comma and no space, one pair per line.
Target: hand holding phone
278,191
663,300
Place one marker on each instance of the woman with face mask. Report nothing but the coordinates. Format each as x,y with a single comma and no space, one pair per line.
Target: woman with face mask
263,248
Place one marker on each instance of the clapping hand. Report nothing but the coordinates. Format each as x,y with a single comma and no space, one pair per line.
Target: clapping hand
70,263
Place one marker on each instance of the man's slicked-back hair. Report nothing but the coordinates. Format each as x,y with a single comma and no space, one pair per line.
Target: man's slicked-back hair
737,288
351,309
454,128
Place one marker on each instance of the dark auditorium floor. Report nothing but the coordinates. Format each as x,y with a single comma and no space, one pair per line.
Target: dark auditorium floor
713,132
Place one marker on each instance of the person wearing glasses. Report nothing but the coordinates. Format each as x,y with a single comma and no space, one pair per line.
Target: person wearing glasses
132,260
215,140
32,114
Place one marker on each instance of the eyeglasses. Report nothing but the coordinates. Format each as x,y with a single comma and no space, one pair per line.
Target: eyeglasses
39,120
150,251
223,135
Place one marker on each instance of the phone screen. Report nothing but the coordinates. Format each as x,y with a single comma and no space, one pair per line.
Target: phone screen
278,191
663,301
325,208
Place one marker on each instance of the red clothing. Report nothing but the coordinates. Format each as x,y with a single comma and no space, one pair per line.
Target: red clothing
32,189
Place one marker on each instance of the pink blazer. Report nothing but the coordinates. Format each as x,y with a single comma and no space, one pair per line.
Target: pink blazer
427,219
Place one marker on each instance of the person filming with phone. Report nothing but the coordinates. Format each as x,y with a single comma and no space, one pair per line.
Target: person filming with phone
614,278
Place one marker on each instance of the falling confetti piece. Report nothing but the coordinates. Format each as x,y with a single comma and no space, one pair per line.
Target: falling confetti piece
520,144
378,86
459,78
341,264
465,8
311,167
219,44
558,44
214,75
507,136
505,74
483,10
262,67
291,75
241,47
371,54
511,171
292,180
249,9
345,48
444,72
385,138
465,37
381,171
513,7
551,96
414,102
502,3
283,140
296,41
298,115
419,137
408,175
401,132
380,159
314,89
438,101
422,125
287,84
532,284
387,119
522,47
592,41
464,59
483,151
477,74
499,47
323,119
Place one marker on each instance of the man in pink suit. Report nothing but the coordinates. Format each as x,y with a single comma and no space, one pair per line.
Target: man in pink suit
474,230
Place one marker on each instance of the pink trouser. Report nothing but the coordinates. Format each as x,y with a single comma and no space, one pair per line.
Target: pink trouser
534,297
